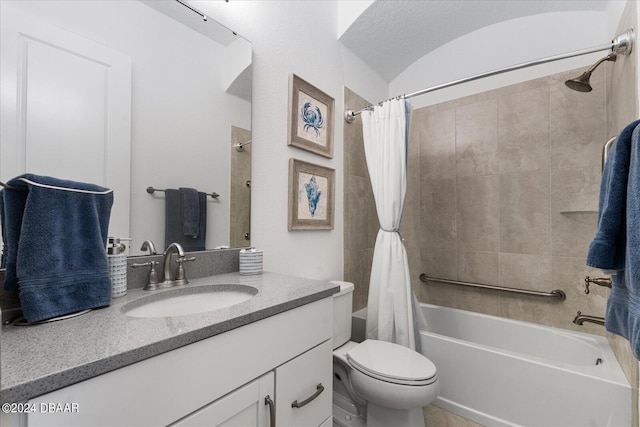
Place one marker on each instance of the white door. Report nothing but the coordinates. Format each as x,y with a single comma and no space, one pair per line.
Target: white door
66,108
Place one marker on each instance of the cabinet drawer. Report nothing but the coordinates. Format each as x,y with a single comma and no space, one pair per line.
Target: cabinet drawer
305,382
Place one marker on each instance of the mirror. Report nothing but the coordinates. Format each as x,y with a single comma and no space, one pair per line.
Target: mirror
189,118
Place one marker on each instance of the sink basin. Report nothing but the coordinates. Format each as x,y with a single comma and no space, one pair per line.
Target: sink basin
184,301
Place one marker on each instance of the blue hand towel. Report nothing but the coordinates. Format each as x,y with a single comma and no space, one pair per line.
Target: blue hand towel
174,223
57,237
190,203
617,242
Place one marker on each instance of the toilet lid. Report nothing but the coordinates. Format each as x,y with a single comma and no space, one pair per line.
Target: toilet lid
392,362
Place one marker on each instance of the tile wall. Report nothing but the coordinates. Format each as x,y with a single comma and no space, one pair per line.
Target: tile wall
508,188
360,218
239,191
621,109
502,189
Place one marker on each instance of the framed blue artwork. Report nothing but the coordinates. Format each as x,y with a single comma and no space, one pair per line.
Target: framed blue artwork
311,196
311,118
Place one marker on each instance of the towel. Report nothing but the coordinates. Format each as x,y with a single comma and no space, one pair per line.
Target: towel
607,248
190,203
3,227
616,246
57,238
174,222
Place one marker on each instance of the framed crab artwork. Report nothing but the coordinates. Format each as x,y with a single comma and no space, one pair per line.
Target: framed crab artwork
310,118
311,196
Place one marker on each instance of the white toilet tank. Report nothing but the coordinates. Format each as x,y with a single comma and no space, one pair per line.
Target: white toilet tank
342,305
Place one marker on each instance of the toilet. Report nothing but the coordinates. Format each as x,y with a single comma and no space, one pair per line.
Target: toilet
376,383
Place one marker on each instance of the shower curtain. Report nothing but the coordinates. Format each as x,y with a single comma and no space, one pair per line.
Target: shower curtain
392,313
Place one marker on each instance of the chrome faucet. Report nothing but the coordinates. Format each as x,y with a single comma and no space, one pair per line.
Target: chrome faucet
166,265
148,245
581,318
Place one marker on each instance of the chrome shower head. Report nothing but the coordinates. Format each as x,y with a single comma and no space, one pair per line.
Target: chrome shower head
581,83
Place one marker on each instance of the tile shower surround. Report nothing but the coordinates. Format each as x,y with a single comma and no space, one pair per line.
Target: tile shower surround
493,181
495,185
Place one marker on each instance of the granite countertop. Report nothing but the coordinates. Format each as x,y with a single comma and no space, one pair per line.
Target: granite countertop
46,357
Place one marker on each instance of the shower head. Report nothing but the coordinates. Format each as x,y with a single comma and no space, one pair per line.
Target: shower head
581,83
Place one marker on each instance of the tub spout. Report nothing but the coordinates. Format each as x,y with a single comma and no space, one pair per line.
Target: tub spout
581,318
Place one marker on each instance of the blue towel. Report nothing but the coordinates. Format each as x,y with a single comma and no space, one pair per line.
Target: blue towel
3,227
57,237
607,249
174,223
617,243
190,203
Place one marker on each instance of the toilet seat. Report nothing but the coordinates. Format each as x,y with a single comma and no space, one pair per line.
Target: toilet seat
392,363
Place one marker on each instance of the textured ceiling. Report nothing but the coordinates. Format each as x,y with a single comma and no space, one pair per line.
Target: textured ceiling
392,34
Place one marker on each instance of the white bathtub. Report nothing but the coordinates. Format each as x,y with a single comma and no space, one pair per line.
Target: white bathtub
500,372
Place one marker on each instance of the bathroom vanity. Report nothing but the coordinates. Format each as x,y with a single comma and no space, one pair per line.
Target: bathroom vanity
263,361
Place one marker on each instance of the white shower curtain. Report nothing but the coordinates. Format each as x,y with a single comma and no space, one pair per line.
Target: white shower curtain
392,313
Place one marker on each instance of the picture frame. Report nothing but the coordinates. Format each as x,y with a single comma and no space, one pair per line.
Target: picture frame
311,196
311,118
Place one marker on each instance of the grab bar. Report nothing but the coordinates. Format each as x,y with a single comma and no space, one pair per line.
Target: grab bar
556,293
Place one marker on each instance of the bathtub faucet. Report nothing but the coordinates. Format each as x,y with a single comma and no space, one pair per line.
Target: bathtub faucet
600,281
581,318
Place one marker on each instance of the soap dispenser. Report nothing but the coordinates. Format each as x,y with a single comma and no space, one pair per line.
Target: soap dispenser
117,261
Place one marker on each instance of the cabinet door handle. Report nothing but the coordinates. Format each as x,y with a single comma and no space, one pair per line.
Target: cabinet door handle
272,412
319,389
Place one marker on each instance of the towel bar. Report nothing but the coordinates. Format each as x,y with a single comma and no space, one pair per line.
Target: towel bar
605,150
556,293
151,190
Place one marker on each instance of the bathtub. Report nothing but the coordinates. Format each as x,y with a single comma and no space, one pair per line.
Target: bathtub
501,372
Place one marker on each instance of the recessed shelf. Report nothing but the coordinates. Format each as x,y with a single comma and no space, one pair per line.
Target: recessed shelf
584,211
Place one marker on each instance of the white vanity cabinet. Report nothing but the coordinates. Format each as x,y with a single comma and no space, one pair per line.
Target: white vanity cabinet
222,380
299,398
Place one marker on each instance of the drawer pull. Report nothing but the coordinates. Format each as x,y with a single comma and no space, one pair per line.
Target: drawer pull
272,412
319,389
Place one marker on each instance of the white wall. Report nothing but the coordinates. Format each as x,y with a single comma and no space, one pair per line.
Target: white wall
505,44
300,37
293,37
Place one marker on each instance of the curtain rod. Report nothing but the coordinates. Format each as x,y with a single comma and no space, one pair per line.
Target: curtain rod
622,44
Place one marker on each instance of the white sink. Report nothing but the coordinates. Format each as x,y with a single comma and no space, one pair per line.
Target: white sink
183,301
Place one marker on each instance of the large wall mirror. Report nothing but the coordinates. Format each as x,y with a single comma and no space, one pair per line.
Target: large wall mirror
130,95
